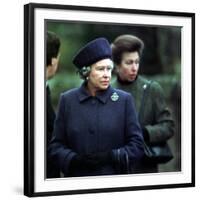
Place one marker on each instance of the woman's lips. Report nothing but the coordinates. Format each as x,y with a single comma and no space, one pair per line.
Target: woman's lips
132,75
105,82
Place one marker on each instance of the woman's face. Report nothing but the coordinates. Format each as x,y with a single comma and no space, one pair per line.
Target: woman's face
100,75
128,68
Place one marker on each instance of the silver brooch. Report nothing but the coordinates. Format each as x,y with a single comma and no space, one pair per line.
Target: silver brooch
114,96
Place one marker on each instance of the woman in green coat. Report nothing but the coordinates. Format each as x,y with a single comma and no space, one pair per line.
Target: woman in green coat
154,116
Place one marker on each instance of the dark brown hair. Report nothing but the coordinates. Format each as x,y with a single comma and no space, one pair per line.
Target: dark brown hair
126,43
53,45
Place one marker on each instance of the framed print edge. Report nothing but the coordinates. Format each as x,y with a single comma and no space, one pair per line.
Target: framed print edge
193,98
29,101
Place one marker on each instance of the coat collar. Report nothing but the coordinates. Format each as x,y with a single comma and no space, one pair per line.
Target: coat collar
139,82
102,96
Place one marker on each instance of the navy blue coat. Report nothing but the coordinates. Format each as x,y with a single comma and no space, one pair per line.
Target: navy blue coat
86,124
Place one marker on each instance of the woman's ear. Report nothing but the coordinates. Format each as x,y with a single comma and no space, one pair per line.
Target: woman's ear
54,62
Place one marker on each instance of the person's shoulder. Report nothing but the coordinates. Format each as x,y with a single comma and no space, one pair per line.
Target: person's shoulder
69,93
143,80
155,85
152,83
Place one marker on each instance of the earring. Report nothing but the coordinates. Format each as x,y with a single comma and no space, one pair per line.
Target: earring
87,78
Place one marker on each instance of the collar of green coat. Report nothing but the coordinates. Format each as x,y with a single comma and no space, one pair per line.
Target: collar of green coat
138,83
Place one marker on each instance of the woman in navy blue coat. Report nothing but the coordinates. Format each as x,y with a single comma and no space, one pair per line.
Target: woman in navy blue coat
96,131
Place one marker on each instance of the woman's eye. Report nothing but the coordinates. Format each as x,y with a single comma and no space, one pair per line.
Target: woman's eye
132,62
108,68
100,68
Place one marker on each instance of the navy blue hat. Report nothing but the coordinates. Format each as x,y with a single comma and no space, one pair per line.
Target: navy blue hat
92,52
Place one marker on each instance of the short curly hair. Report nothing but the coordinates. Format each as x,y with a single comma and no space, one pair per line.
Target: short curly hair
52,46
126,43
84,72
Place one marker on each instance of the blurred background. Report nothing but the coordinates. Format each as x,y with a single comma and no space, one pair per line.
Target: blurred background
161,61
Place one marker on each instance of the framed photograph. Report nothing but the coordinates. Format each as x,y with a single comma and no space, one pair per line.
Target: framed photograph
168,59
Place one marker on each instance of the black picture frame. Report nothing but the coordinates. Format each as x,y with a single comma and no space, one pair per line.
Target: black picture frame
30,93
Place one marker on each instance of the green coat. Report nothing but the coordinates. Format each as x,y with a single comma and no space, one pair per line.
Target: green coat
153,113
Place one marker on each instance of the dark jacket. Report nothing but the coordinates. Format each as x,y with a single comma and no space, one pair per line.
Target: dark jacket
52,171
86,124
153,113
50,114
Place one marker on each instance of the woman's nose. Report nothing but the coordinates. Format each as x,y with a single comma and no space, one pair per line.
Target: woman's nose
106,73
134,67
